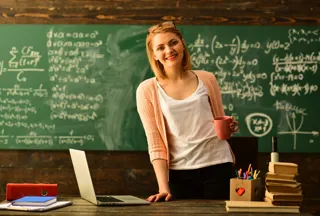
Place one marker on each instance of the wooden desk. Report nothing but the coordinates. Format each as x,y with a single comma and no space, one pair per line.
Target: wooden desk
176,208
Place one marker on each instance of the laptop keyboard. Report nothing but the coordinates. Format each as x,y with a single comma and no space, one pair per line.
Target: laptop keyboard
108,199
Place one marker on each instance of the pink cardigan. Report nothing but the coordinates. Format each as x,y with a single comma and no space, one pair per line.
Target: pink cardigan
149,109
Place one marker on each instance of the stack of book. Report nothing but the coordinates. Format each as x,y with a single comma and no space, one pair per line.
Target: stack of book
35,203
282,188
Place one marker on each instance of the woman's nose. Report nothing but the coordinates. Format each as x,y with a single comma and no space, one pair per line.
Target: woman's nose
168,49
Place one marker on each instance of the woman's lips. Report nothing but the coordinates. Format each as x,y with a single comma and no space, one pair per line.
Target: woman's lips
172,57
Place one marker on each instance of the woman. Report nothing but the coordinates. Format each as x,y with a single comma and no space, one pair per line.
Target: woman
176,108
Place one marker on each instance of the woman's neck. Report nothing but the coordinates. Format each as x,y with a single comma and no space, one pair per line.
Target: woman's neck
175,78
175,74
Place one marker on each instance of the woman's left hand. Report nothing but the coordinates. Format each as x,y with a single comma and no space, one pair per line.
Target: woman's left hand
234,125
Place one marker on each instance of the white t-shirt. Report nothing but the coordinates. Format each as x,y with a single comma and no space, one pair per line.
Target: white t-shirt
192,138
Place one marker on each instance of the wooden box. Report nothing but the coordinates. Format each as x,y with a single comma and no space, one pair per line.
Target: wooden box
245,190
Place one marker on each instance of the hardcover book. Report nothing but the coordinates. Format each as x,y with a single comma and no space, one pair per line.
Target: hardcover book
258,206
283,168
35,201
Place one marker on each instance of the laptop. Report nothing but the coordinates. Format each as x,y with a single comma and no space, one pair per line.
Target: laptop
86,189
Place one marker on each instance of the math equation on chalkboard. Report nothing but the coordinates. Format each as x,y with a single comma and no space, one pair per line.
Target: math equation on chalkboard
73,86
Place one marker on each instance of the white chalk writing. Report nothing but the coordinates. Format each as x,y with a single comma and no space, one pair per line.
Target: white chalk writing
70,60
259,124
304,36
243,67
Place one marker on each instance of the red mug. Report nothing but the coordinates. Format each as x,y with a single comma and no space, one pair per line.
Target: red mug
222,126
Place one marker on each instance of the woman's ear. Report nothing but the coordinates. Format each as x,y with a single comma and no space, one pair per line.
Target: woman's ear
184,43
155,58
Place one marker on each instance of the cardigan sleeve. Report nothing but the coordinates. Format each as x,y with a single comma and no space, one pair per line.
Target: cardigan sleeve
217,96
219,106
145,107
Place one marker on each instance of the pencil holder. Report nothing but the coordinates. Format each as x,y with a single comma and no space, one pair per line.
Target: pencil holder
245,190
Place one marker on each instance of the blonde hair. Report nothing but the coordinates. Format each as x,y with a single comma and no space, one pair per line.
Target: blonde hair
156,66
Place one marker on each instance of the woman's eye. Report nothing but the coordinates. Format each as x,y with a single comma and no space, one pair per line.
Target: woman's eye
173,43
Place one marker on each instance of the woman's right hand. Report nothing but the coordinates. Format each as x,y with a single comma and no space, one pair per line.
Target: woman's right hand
160,196
161,170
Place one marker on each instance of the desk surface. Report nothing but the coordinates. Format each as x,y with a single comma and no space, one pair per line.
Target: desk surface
176,208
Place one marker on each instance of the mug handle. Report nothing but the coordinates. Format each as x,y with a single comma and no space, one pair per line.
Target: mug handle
236,127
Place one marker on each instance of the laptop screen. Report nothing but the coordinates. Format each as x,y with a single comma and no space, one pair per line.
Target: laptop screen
81,170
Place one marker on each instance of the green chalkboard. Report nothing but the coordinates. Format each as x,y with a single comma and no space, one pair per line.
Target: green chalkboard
73,86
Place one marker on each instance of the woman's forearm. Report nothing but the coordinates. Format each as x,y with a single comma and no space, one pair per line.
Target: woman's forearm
161,169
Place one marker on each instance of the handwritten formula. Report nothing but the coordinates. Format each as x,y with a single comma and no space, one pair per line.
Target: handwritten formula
74,86
251,72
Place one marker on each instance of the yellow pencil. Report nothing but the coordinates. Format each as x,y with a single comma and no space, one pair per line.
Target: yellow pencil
249,168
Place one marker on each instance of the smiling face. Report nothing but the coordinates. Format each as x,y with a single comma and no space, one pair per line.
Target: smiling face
168,49
172,55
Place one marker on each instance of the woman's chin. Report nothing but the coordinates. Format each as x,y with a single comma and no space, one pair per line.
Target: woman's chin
173,63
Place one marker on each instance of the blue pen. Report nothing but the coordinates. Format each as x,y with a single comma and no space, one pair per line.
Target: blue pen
244,175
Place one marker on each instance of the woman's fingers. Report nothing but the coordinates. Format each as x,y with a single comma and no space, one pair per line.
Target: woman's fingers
159,196
234,126
151,198
168,197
